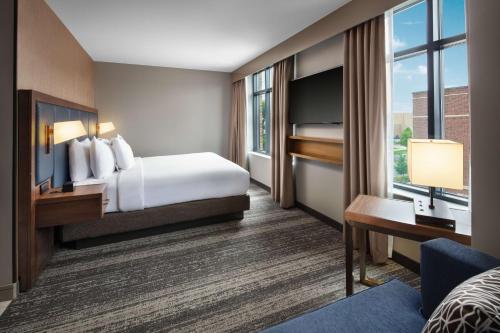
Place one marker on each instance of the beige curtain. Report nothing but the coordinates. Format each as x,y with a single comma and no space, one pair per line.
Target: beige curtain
365,168
237,134
281,163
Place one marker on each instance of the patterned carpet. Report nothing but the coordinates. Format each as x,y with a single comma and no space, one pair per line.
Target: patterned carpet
238,276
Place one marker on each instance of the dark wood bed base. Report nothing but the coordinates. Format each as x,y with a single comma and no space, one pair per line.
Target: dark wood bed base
117,223
167,228
35,245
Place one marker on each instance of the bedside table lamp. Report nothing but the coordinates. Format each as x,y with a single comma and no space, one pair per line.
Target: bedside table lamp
435,163
105,128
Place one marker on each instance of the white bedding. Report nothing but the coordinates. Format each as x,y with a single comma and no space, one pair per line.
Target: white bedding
164,180
131,187
111,189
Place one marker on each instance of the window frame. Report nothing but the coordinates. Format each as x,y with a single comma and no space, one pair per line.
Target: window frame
256,94
435,109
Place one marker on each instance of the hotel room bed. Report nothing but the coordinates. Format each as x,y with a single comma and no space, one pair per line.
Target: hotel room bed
165,190
165,180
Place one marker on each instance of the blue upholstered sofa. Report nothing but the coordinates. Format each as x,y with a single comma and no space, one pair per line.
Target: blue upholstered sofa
395,306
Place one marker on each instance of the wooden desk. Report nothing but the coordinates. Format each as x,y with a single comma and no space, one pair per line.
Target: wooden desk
396,218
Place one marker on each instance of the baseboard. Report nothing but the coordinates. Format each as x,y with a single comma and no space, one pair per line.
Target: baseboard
404,261
259,184
320,216
8,292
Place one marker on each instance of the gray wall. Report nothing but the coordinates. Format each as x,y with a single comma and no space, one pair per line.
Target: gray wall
7,62
319,185
484,74
163,111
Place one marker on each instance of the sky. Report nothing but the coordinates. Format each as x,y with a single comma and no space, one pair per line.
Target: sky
409,30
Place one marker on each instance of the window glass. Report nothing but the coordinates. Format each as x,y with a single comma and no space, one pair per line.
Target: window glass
455,92
410,27
409,107
260,81
412,114
453,18
262,127
261,111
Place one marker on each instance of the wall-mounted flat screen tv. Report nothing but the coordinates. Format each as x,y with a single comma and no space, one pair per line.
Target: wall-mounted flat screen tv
317,99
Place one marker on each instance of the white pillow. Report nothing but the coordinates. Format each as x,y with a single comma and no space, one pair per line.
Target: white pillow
79,160
123,153
102,160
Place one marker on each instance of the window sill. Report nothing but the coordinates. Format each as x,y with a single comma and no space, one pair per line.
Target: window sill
412,195
259,154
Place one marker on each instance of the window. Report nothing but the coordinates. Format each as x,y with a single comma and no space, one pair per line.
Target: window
262,87
430,93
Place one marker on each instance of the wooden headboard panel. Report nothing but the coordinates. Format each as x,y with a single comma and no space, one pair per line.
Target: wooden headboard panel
34,110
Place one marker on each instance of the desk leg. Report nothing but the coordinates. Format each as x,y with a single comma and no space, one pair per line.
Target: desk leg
367,281
349,280
362,256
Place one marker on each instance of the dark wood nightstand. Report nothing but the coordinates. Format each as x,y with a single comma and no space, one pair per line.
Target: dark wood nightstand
55,208
86,203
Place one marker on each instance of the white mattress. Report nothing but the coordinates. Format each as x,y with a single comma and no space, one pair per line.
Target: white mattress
178,178
188,177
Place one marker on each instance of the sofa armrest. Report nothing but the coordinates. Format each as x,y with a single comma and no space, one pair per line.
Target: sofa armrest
444,264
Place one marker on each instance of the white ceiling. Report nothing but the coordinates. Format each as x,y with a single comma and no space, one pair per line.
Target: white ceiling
218,35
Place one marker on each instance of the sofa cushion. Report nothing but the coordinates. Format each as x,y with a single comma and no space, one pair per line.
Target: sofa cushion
391,307
473,306
445,264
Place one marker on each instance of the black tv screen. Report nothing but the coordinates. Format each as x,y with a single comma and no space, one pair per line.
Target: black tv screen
317,99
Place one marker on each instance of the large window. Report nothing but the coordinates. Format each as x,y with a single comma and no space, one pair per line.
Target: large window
262,87
430,93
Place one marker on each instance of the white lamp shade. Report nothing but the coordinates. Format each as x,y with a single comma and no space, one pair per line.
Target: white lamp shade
67,130
105,127
436,163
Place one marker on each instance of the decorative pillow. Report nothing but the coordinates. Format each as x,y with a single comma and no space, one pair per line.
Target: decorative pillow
79,160
473,306
102,160
123,153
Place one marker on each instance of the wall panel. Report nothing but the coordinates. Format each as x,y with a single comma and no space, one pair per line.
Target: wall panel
49,58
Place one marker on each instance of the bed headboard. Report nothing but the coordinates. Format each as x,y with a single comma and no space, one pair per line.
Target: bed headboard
34,165
54,164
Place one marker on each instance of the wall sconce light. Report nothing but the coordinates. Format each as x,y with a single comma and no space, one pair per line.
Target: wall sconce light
105,128
63,131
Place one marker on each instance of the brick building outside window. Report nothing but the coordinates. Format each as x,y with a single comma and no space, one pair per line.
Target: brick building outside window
456,125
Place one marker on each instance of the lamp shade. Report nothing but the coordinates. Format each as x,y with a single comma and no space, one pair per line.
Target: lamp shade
105,127
67,130
436,163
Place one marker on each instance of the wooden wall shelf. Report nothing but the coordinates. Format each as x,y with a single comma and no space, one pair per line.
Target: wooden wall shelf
317,149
